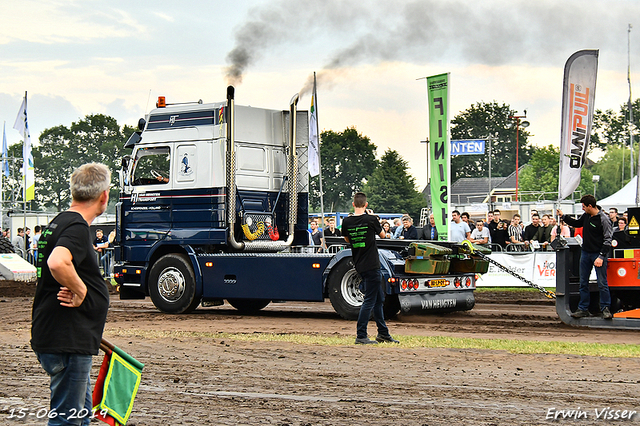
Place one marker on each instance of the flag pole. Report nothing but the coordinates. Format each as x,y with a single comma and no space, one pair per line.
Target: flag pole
4,159
25,166
315,99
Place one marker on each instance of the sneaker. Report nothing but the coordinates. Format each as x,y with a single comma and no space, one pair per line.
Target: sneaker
606,313
386,339
580,314
365,341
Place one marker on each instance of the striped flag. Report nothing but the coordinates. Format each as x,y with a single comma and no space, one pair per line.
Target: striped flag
314,148
28,170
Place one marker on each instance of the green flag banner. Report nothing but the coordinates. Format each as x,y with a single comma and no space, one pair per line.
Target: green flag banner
116,386
439,158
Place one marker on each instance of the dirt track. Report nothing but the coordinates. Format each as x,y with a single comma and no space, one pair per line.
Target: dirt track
196,380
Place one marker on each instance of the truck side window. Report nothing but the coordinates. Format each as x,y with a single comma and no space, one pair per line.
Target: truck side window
152,166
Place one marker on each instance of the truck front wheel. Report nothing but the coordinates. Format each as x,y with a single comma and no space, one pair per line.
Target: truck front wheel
344,292
172,284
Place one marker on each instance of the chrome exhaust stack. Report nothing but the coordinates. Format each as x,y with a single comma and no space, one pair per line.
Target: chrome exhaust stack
292,170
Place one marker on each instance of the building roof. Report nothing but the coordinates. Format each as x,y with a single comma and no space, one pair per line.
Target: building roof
475,190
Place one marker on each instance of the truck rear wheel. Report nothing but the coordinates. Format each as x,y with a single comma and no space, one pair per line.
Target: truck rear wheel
172,284
344,292
248,306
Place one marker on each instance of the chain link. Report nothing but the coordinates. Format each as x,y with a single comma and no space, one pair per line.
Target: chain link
547,293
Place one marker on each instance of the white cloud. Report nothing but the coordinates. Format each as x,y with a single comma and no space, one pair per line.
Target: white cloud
52,22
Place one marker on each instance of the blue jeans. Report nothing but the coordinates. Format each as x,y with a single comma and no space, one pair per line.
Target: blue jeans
586,263
70,387
371,286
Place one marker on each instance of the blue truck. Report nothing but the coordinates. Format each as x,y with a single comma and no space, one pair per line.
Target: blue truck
213,206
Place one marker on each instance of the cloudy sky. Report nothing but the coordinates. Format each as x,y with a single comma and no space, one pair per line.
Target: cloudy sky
115,57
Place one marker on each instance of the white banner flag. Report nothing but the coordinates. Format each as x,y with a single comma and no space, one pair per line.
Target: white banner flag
578,97
314,151
28,170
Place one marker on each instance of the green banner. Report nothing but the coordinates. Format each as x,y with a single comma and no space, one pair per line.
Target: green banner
439,157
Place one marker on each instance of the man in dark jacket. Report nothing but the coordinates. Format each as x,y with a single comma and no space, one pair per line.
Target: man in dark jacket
409,232
429,231
597,231
543,236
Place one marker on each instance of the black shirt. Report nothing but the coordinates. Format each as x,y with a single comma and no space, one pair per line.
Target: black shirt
499,236
317,238
361,231
410,233
336,232
530,231
55,328
596,232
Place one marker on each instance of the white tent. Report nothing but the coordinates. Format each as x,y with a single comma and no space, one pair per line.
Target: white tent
622,199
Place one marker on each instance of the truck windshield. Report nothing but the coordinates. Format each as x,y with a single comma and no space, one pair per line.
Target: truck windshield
151,166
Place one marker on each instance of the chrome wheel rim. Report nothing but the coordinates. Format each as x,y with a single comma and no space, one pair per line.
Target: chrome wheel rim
171,284
349,288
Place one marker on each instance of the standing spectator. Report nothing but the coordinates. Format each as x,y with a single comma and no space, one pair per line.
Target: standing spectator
386,228
34,245
531,230
543,236
71,300
398,230
360,231
459,230
465,218
564,231
316,235
597,230
622,223
18,243
613,215
397,223
493,225
429,230
100,242
27,235
480,235
408,232
498,230
331,230
489,219
515,230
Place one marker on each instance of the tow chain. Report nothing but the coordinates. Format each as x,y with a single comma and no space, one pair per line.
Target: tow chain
547,293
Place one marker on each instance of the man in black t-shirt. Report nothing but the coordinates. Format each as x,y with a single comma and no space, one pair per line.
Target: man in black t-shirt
71,300
331,230
360,231
597,231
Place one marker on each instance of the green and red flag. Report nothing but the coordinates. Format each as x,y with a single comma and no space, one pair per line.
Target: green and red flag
116,386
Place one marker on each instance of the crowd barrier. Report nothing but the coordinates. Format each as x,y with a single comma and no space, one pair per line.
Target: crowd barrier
538,266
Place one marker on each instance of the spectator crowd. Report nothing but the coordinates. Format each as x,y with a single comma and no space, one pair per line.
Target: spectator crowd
540,232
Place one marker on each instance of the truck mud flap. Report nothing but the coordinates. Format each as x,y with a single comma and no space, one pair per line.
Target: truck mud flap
424,303
568,296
